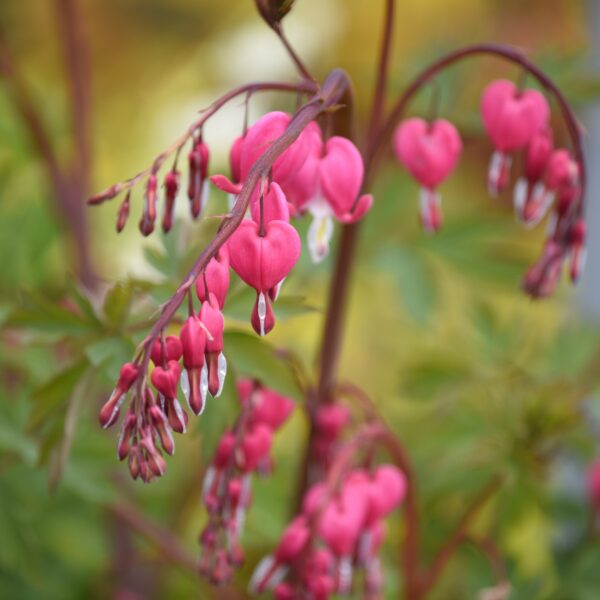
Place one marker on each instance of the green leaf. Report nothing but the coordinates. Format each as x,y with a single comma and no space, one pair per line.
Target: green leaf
118,303
415,280
254,357
54,394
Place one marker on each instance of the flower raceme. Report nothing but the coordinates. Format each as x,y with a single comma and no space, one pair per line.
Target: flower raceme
335,534
511,117
242,451
430,152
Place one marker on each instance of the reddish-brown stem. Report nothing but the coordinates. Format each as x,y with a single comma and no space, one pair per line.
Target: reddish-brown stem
332,90
457,537
111,192
382,70
505,52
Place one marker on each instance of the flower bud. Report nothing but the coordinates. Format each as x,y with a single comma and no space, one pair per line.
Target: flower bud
273,11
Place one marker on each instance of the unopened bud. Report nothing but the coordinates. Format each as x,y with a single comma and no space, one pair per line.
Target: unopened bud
273,11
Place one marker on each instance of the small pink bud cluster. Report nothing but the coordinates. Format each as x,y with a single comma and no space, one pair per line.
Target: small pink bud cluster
152,417
227,483
516,121
198,159
335,535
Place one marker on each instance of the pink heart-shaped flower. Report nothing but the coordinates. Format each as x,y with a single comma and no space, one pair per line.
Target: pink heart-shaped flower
263,261
429,152
512,117
166,380
341,173
255,446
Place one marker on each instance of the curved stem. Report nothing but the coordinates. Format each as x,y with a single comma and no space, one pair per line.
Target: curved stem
300,66
382,71
505,52
331,91
117,188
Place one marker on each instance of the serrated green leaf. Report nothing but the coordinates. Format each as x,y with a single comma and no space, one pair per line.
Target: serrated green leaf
254,357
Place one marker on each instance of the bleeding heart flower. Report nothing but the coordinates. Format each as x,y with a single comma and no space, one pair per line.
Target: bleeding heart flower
256,446
109,413
198,184
262,262
328,186
194,380
172,347
215,278
531,198
216,363
430,152
165,381
256,142
511,117
171,190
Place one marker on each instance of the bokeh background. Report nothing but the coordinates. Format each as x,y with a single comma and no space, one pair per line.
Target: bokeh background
474,377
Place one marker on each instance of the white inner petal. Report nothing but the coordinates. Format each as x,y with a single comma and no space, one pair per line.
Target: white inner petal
262,312
179,412
115,411
203,386
520,196
222,372
204,194
344,575
277,290
321,228
263,568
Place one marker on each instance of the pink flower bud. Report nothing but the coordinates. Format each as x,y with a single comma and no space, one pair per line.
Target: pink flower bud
538,152
331,419
161,426
262,261
171,190
215,279
216,363
109,413
173,348
149,214
593,483
166,380
561,170
123,213
123,445
256,446
198,163
270,408
193,341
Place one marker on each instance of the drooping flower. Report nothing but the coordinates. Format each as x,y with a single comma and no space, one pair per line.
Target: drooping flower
110,411
531,198
216,363
198,171
511,118
194,379
263,257
215,278
430,152
249,148
328,187
171,190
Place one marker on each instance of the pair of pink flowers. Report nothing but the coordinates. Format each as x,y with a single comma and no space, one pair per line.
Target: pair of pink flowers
323,178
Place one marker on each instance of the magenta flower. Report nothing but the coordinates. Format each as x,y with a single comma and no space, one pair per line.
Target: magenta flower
194,379
216,363
430,152
511,118
198,172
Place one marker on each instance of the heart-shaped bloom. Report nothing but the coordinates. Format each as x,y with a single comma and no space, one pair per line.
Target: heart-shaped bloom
255,143
429,152
163,353
109,413
328,186
262,260
216,363
531,198
215,278
511,118
165,380
194,380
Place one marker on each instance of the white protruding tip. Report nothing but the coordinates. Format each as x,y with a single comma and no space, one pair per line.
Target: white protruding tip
184,382
222,373
320,233
262,312
203,386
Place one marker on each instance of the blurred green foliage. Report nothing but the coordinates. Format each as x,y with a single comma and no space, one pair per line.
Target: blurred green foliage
475,379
